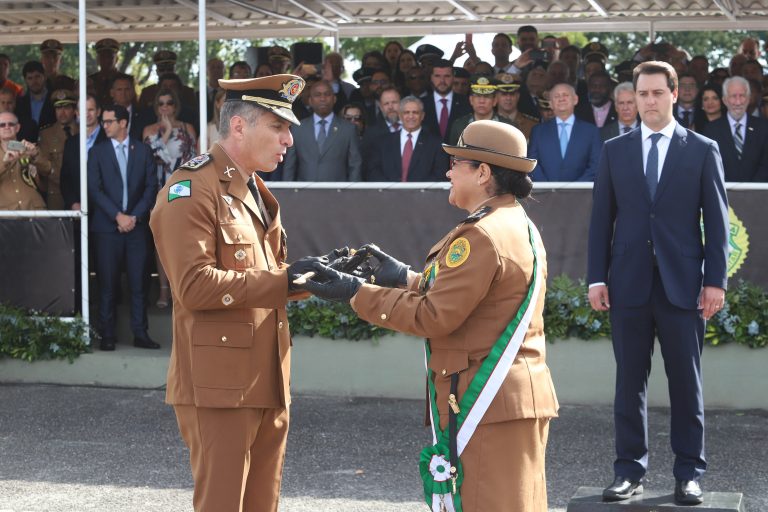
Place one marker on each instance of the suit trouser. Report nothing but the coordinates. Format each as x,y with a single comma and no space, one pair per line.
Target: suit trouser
504,467
681,337
112,251
236,456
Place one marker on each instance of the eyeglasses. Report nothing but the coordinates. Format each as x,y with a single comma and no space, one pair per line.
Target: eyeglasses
8,125
107,122
454,161
353,118
169,103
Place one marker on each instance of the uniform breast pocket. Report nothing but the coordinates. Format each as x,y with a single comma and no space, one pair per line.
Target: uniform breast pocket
238,249
221,354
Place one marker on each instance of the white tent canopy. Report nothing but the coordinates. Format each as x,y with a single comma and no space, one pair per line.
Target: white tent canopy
166,20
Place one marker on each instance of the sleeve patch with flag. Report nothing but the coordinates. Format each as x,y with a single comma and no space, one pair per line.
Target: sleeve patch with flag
180,189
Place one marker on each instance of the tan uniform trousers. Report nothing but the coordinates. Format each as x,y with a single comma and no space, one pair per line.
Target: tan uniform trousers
236,456
504,467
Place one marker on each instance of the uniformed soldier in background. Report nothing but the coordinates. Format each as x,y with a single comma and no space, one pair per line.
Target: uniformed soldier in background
19,168
165,64
219,237
51,145
483,99
106,56
50,57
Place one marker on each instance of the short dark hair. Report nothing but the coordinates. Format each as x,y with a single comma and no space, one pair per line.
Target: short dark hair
600,73
122,76
571,48
239,63
170,76
656,67
4,56
31,67
121,113
527,28
505,36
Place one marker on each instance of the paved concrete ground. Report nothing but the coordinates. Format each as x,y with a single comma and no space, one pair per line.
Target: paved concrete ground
118,450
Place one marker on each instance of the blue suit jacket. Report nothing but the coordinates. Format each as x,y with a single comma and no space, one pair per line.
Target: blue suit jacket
105,185
627,228
581,155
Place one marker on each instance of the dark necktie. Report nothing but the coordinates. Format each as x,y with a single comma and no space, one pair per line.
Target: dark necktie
444,117
738,141
67,131
625,129
686,118
321,134
395,127
652,166
407,154
259,202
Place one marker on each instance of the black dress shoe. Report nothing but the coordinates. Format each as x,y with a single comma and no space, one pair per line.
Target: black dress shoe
145,343
622,488
688,492
107,344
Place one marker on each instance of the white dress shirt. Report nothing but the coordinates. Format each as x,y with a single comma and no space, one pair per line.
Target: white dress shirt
404,138
316,120
662,145
742,128
439,104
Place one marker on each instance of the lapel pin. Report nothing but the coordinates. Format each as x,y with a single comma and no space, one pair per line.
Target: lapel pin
750,128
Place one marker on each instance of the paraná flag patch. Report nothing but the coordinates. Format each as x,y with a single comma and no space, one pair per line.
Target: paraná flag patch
180,189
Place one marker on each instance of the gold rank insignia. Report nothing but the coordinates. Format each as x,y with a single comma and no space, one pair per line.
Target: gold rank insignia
240,255
196,162
458,252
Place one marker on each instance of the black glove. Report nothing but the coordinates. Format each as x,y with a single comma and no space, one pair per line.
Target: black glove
335,255
334,286
390,272
302,266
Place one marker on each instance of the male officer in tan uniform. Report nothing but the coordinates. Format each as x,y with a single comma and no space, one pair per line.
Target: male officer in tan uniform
51,145
224,250
19,169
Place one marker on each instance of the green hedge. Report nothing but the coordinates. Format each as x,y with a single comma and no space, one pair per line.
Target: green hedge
31,335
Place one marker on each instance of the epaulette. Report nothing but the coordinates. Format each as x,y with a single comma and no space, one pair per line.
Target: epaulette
197,162
478,214
46,126
529,117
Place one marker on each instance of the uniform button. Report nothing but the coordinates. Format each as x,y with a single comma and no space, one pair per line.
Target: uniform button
650,243
443,371
227,300
280,325
223,339
383,316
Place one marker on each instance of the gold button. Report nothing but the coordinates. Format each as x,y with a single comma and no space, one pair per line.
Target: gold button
224,339
443,371
280,325
383,316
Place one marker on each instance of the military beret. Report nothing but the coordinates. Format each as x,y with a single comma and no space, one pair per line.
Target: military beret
107,45
63,98
460,72
275,93
363,75
429,51
482,85
595,51
51,45
164,56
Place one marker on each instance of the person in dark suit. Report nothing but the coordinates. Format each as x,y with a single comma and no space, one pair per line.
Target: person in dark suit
123,93
743,139
70,162
566,148
443,106
410,154
34,109
122,186
648,266
326,147
599,110
626,108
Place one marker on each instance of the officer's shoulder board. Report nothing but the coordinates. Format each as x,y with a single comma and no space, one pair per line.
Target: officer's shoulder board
477,215
529,117
197,162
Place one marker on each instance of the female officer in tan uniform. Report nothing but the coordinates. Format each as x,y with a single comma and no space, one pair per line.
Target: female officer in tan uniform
479,303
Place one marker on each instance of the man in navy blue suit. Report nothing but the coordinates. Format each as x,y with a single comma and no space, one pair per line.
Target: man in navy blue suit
566,148
648,266
122,188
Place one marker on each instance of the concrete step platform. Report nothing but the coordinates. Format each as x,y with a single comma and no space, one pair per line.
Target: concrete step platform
590,499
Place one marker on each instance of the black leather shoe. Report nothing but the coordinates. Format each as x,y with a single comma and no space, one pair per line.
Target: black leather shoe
145,343
622,488
688,492
107,344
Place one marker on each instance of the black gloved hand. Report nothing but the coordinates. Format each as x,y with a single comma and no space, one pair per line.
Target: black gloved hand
335,255
390,272
335,286
301,267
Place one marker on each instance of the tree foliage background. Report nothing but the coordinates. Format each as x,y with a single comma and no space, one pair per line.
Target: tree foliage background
136,57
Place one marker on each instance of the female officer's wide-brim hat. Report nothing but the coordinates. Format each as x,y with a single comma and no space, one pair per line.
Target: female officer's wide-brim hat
494,143
275,93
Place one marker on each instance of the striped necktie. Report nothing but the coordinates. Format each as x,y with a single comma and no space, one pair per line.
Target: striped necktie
738,141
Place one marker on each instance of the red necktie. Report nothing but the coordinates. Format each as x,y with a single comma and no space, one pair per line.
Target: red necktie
444,118
407,154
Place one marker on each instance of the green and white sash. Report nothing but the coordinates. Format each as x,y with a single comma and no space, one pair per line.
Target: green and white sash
441,487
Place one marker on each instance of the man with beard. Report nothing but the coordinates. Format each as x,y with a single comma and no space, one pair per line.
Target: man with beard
600,109
379,81
444,106
388,123
483,100
34,109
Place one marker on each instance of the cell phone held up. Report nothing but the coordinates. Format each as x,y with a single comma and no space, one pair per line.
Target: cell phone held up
16,145
538,55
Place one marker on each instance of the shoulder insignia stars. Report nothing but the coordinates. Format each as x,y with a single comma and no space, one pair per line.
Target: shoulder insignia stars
478,214
197,162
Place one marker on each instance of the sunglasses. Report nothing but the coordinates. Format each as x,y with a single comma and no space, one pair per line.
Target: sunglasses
353,118
166,103
8,125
